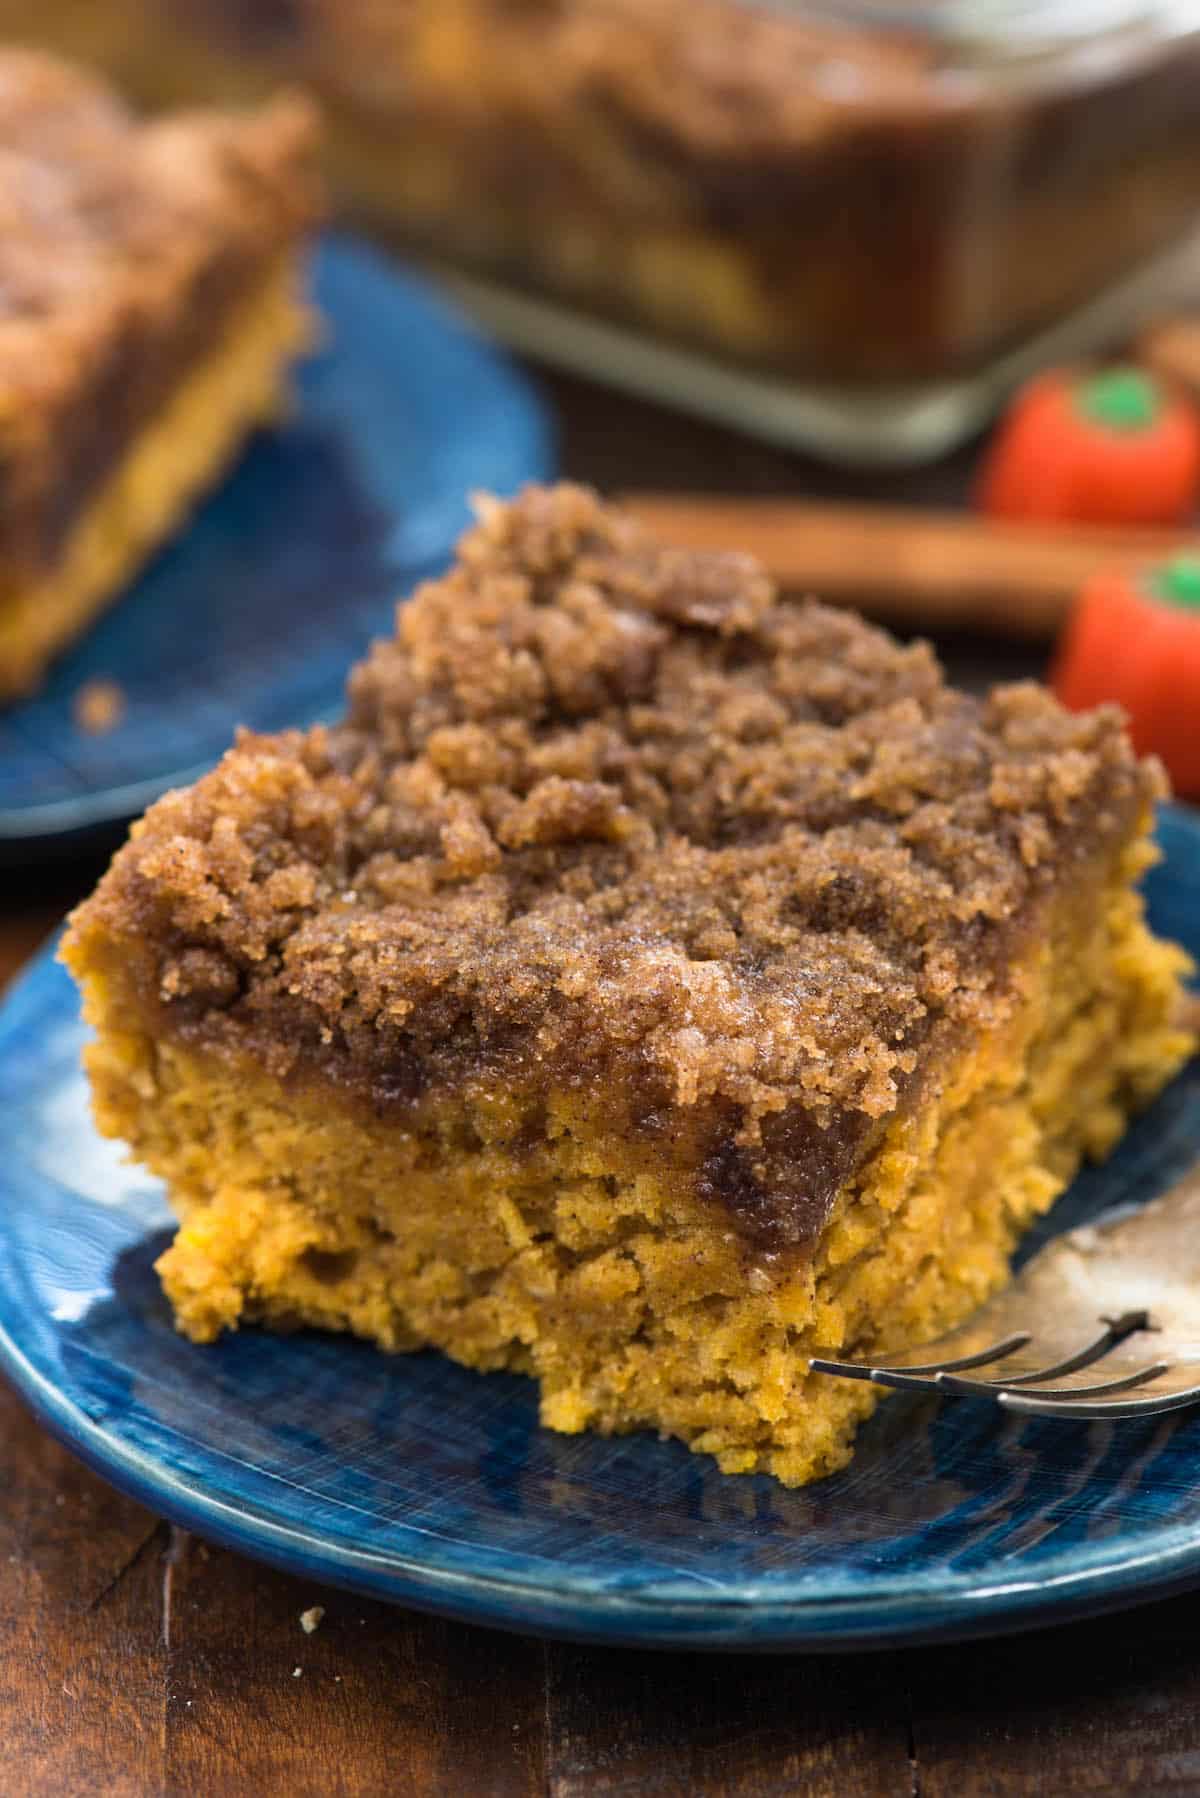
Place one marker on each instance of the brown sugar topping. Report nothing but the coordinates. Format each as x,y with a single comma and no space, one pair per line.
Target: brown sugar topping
603,805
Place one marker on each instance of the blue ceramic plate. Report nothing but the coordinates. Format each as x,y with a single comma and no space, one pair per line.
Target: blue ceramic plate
254,613
416,1481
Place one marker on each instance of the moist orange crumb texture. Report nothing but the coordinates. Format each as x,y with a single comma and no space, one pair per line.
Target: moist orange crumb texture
650,983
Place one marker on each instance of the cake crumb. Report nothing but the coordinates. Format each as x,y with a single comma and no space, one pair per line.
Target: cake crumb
99,706
311,1619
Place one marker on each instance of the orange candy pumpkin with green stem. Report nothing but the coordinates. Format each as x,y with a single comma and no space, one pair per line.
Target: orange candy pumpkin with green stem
1117,447
1137,642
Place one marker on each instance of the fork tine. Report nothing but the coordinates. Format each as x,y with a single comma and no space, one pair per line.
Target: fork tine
875,1370
993,1388
1116,1330
1063,1296
1099,1410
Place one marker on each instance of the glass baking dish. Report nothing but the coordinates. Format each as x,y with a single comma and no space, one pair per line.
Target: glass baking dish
847,226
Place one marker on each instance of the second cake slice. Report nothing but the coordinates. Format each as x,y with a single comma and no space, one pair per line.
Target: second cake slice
151,302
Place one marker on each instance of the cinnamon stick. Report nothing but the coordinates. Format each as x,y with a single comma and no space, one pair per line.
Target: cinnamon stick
1172,349
930,570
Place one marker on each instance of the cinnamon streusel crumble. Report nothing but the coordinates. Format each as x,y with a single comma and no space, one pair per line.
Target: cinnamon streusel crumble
651,983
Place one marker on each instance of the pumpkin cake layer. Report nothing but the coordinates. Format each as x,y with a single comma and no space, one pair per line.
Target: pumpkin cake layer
650,984
150,306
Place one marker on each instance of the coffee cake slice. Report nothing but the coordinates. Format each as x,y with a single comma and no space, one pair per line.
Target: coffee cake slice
150,305
650,984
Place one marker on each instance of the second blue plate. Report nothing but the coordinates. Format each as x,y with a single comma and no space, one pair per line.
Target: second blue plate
254,613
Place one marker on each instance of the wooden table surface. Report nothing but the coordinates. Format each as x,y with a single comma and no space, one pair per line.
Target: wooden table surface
136,1660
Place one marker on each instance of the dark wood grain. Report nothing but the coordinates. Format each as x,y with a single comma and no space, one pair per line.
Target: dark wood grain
81,1686
135,1661
1105,1707
374,1700
651,1725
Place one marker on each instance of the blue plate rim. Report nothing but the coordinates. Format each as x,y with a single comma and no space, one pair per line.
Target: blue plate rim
787,1614
786,1622
112,806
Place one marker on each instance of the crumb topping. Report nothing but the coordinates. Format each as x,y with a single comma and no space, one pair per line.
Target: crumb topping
602,802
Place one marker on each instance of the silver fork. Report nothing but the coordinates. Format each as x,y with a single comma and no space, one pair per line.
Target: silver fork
1103,1322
